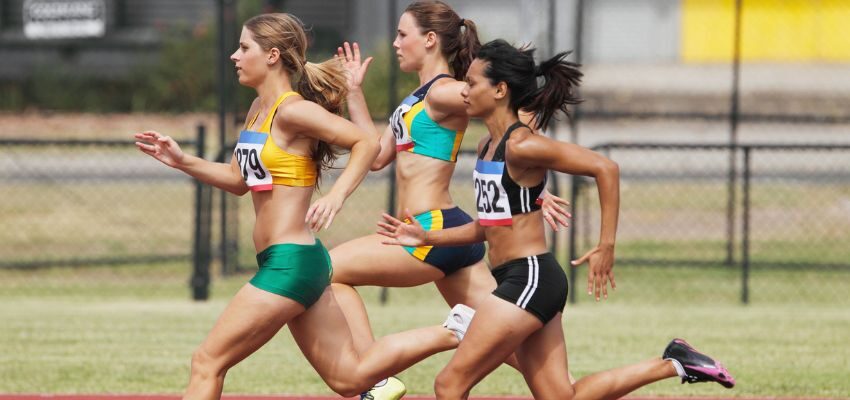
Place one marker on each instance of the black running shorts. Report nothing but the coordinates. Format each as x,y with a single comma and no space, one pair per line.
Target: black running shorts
536,284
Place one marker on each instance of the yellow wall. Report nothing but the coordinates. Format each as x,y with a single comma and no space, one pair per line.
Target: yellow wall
771,30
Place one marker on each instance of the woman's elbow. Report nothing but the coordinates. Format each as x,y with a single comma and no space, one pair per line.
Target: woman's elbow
238,190
379,163
613,169
384,158
607,169
374,146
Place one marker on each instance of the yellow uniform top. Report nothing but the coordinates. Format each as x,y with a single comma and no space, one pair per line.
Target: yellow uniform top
264,164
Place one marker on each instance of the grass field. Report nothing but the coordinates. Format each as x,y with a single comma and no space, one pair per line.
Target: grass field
132,330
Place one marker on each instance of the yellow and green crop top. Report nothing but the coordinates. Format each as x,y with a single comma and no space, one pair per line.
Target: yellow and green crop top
417,133
263,164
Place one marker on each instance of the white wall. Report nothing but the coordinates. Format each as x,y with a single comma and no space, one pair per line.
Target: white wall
614,30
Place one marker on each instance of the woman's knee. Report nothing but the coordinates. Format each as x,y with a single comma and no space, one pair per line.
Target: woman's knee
205,365
347,387
559,389
447,385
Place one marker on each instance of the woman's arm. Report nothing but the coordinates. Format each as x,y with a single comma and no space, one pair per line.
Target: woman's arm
412,234
445,99
553,207
536,151
310,119
358,110
166,150
387,154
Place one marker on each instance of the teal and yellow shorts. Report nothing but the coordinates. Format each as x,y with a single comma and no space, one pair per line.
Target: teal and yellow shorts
300,272
446,258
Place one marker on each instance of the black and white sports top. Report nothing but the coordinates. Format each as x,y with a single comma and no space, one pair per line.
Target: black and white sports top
497,197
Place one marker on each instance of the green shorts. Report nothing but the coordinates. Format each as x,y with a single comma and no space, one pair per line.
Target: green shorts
296,271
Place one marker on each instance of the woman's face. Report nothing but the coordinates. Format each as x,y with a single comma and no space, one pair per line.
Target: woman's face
250,60
479,95
409,44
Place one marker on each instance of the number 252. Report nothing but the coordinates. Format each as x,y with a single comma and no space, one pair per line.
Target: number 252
483,202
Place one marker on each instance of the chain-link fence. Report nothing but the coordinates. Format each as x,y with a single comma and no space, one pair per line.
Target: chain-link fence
774,230
79,204
71,205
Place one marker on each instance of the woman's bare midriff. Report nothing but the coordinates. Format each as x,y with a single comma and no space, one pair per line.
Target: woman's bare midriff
423,183
525,237
280,216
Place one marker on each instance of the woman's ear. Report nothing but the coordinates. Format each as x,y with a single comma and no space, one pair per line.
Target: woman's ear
430,39
273,56
501,90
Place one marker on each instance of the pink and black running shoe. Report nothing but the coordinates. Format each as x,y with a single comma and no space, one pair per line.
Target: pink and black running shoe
694,366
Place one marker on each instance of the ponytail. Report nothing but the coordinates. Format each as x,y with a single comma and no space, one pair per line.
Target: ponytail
325,85
466,50
561,79
516,67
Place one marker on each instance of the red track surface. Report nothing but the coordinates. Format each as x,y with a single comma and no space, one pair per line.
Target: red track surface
296,397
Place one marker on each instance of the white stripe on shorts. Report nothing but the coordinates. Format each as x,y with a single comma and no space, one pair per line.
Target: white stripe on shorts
531,286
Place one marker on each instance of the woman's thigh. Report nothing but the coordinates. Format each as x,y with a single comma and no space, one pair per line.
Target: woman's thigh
324,337
367,261
543,361
251,318
496,331
469,285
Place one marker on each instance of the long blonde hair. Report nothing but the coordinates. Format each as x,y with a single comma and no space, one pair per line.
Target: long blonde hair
323,83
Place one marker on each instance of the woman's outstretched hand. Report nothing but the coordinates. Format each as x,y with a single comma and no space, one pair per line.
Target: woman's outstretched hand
162,148
401,233
349,55
555,212
600,271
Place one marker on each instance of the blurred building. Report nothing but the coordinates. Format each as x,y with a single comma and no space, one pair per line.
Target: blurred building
132,30
631,49
614,31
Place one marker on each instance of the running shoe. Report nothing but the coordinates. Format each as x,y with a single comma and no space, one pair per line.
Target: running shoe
694,366
388,389
458,321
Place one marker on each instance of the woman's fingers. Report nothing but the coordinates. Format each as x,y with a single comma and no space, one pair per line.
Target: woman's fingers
330,219
387,229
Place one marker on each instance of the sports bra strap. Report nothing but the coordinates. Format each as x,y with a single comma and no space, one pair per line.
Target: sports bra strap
267,123
438,77
510,129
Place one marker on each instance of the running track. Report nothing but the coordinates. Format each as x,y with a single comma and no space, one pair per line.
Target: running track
296,397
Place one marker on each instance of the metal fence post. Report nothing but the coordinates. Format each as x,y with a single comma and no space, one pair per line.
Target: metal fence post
734,117
200,280
745,240
574,181
392,88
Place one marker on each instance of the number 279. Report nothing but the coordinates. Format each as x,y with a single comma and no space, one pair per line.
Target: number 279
249,158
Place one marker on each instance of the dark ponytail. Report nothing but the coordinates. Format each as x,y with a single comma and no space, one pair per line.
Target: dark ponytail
458,36
516,67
